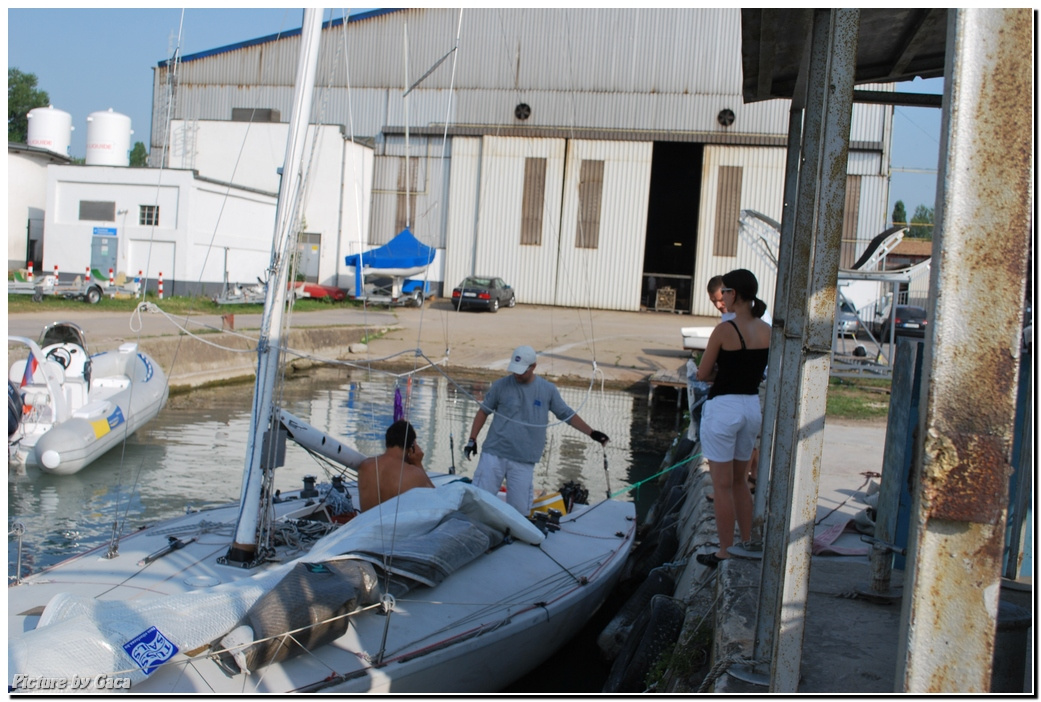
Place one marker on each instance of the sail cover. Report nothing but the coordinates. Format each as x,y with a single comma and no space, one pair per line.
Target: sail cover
404,251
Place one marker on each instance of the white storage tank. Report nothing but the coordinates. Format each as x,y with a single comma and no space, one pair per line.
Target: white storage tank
50,129
108,139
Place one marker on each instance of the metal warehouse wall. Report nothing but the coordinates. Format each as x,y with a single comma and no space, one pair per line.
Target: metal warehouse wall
486,224
639,70
601,83
762,190
608,276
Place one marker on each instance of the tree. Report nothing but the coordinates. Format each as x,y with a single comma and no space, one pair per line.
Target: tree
22,96
899,214
922,223
138,155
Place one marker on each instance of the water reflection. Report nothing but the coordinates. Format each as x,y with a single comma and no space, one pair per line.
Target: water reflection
192,454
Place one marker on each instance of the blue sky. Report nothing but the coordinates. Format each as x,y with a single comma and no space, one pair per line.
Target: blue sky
94,59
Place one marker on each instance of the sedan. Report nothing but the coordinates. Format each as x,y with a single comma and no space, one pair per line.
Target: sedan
908,320
483,292
846,320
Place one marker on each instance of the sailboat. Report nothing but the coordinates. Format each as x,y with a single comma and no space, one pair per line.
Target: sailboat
443,589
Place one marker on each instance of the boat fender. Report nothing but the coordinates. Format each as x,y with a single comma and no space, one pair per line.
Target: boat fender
668,504
658,629
615,634
658,548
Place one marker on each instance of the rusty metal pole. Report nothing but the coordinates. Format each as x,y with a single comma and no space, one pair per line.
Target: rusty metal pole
962,457
806,351
784,262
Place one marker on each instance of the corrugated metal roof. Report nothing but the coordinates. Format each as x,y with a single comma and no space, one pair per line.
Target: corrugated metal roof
361,16
894,45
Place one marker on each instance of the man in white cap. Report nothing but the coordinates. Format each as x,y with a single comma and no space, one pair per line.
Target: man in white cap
521,403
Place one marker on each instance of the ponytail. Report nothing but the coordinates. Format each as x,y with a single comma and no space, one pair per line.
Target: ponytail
758,308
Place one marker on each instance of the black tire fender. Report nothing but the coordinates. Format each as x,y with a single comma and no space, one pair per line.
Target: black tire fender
659,628
612,639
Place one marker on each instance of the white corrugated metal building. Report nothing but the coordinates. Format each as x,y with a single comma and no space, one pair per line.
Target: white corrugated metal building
586,156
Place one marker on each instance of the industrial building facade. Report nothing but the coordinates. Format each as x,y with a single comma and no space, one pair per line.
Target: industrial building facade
590,157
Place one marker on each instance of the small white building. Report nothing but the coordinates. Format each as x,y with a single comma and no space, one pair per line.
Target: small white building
27,201
190,224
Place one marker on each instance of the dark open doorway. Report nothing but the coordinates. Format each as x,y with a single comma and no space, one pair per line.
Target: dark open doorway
672,225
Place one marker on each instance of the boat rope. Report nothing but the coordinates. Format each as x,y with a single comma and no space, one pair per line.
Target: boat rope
868,475
723,665
640,483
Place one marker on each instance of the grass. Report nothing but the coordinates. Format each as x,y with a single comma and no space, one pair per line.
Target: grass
177,305
858,398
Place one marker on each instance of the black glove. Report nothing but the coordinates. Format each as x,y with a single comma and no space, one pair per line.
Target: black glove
599,437
470,449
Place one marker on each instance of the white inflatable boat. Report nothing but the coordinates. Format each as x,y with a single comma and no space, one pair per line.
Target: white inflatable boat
75,407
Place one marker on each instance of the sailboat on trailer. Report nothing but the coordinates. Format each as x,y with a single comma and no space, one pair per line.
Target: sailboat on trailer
438,590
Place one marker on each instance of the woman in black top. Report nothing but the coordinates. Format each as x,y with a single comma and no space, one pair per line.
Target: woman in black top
734,360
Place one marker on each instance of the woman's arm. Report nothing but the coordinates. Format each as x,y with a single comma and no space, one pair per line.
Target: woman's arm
707,366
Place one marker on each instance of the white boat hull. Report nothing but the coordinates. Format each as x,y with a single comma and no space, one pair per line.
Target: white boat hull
486,625
127,389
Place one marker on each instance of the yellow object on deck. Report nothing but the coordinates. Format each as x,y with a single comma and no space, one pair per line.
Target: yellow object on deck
548,501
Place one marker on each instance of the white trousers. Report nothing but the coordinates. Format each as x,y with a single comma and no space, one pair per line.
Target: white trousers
491,470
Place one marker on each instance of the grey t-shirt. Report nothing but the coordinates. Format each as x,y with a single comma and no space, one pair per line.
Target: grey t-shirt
529,404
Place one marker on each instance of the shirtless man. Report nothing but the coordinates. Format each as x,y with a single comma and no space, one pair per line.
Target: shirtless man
397,470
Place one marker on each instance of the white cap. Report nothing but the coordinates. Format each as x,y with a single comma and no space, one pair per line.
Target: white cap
523,356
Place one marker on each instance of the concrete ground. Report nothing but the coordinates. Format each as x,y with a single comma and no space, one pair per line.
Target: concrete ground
620,348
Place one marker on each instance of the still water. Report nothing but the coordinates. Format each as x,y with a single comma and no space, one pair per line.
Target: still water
192,454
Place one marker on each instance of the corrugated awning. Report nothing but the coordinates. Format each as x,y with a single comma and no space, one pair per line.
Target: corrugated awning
895,45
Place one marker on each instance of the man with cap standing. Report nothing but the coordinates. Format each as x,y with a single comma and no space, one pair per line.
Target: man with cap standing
521,403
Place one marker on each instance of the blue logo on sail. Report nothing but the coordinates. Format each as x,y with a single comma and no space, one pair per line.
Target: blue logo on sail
150,650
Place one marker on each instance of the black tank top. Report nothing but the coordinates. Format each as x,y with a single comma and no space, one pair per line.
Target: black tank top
740,371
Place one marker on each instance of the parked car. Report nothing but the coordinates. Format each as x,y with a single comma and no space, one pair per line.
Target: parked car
483,292
846,320
908,321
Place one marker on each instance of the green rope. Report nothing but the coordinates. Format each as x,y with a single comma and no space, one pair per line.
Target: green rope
660,473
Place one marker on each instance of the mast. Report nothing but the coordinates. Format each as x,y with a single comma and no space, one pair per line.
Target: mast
262,428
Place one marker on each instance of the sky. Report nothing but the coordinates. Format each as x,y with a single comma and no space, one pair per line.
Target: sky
89,60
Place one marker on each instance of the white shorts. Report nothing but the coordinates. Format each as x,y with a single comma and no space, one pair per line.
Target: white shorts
519,491
730,425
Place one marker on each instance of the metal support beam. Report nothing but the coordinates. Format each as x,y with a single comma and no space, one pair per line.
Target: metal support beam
963,452
807,311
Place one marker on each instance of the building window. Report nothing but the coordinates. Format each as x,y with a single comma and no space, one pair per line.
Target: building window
534,201
97,211
850,215
590,193
148,216
728,210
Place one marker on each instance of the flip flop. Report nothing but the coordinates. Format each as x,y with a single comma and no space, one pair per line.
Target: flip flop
709,559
